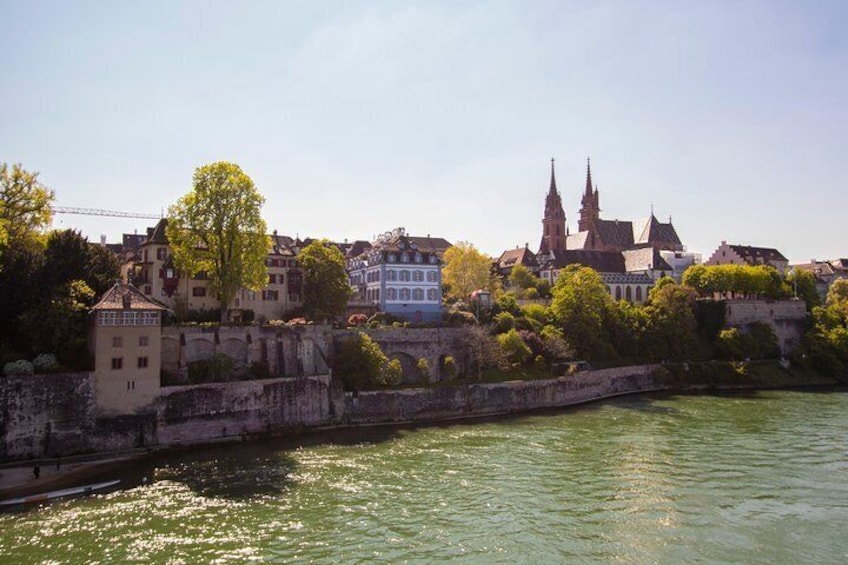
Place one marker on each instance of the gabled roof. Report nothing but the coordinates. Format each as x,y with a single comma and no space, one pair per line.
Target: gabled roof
126,297
519,256
757,255
601,261
615,232
645,259
157,233
576,240
650,230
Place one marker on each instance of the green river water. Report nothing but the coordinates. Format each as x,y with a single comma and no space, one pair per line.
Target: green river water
752,478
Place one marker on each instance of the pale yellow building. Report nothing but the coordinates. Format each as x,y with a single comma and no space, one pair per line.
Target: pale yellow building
126,340
156,276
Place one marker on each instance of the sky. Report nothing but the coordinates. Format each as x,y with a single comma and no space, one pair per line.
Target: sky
353,118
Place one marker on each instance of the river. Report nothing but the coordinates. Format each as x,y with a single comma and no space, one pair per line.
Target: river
751,478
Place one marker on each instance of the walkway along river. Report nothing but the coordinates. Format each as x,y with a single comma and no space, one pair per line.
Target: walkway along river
756,477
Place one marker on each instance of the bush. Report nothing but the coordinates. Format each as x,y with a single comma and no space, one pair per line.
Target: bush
384,319
449,368
457,318
45,362
258,370
359,362
18,368
514,348
217,368
424,369
504,322
393,372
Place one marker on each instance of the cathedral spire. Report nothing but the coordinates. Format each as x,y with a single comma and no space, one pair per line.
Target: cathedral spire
588,177
553,189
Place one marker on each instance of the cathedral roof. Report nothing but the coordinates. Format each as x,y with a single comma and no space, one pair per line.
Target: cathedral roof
650,230
601,261
645,259
615,232
576,240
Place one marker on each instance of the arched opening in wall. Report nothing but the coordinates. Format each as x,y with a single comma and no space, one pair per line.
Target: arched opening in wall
409,364
448,368
618,293
236,349
198,350
628,293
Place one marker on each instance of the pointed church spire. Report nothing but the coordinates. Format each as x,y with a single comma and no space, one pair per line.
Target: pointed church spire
553,189
588,177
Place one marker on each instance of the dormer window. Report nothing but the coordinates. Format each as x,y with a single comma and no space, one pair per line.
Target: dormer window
433,259
392,258
419,258
404,258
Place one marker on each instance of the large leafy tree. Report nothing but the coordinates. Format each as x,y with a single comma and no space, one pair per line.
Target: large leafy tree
218,229
325,285
25,206
584,309
466,270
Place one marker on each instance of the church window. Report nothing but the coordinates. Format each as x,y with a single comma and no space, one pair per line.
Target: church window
629,294
618,293
638,294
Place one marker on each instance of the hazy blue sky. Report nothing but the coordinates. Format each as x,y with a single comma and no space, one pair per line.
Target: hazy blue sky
356,117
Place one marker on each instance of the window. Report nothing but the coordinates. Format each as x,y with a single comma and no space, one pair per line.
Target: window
618,293
418,294
148,290
628,293
404,276
198,291
431,294
391,294
272,279
280,279
270,295
433,259
638,294
143,341
404,294
169,273
418,276
117,341
142,362
392,258
404,258
294,297
431,276
419,258
160,253
130,385
391,275
117,363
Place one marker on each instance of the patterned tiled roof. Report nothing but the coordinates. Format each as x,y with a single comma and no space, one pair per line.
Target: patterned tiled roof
601,261
756,255
650,230
626,278
645,259
126,297
615,232
576,240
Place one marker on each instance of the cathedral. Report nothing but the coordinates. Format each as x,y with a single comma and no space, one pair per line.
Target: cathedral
596,234
629,255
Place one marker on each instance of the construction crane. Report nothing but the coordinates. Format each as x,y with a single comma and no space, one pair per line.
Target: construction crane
99,212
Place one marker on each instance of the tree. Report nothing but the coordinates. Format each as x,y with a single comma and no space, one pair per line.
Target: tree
217,228
582,307
513,347
465,270
325,285
670,331
361,364
25,206
803,284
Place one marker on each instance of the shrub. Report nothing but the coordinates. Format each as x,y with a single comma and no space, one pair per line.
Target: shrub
514,348
449,368
504,322
217,368
258,370
424,368
45,362
359,362
18,368
393,372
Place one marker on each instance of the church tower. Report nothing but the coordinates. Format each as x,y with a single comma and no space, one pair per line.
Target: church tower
553,224
590,211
